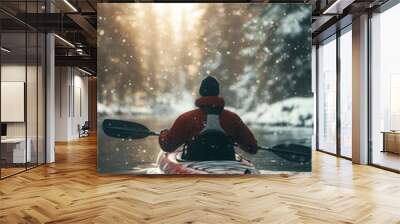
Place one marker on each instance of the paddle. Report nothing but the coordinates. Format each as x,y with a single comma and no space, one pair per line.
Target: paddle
126,129
133,130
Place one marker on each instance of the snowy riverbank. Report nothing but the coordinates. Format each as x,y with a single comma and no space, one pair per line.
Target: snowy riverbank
296,111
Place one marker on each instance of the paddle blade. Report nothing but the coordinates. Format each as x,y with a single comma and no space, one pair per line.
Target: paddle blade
125,129
292,152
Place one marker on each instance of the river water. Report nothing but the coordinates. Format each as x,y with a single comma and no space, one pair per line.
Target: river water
139,156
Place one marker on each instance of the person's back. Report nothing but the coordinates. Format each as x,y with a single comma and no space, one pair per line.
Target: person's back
189,126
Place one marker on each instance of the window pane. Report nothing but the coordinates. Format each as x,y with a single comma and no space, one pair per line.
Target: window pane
346,94
327,96
386,89
14,148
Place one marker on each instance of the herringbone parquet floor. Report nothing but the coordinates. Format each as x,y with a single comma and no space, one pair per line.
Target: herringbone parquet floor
70,191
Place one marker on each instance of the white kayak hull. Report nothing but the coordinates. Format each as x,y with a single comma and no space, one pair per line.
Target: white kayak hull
169,164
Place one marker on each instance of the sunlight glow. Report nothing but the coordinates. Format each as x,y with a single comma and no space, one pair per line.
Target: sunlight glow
177,14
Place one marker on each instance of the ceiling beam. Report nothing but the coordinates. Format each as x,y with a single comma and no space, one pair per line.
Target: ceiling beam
49,22
83,23
337,6
81,61
320,22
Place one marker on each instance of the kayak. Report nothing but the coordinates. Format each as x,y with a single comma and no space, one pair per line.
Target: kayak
171,163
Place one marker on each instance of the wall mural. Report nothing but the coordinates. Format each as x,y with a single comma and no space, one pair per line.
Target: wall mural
189,88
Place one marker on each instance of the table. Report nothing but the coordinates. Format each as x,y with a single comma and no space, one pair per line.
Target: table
13,150
391,141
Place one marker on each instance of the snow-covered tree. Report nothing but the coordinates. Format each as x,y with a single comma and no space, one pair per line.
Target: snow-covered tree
280,52
158,54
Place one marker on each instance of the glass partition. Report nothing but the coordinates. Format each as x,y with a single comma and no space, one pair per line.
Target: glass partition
41,89
41,96
22,88
32,98
14,153
35,89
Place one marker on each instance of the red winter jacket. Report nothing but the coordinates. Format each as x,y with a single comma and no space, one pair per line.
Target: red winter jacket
192,122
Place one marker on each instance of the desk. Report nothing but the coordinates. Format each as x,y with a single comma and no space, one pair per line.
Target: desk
13,150
391,141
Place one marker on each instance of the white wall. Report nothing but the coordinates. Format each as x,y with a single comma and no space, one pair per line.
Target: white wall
70,84
80,104
12,73
62,81
16,73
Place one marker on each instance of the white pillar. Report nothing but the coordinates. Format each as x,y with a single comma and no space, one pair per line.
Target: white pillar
50,98
360,90
50,91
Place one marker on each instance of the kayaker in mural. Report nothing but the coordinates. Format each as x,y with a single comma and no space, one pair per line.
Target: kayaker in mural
208,132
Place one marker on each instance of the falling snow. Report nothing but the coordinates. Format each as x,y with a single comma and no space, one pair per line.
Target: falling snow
152,61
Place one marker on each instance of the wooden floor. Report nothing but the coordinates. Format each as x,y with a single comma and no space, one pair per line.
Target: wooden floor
387,159
5,172
70,191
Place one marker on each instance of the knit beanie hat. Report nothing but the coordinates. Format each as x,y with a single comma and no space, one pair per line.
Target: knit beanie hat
209,87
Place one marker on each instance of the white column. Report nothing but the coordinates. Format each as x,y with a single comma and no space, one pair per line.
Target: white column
50,92
360,90
50,99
